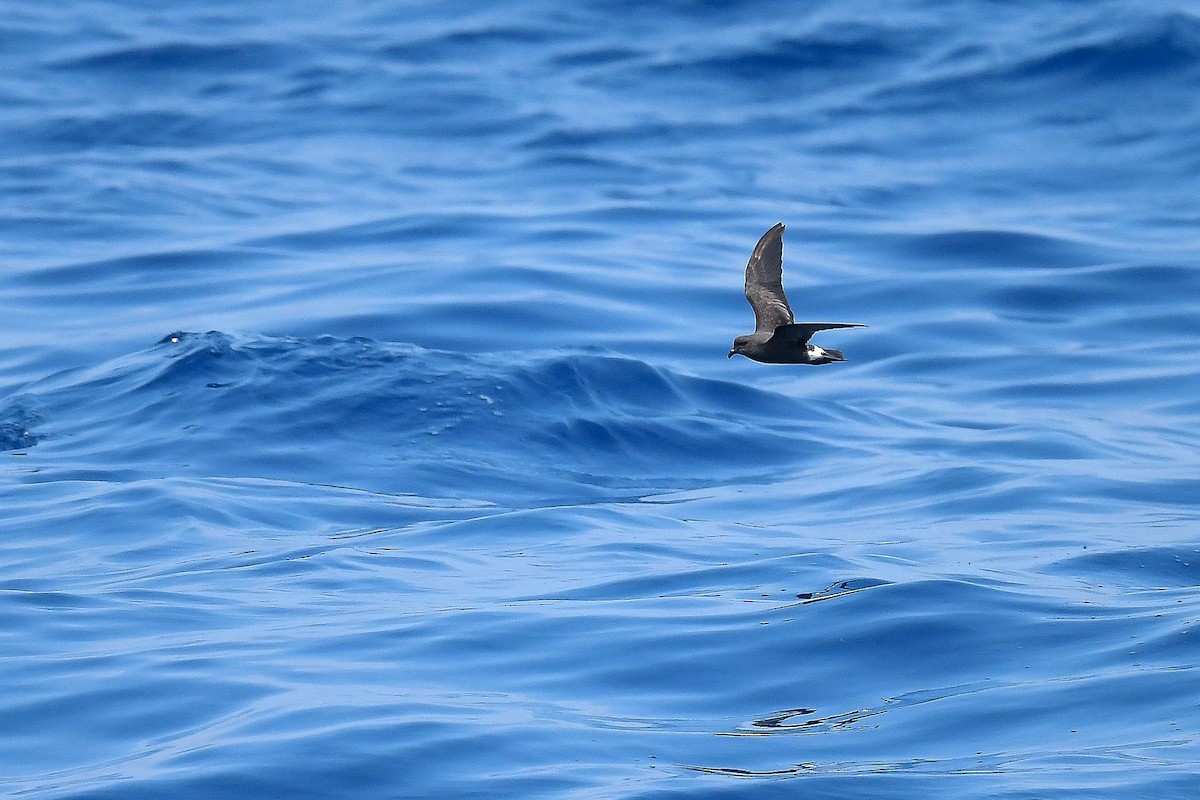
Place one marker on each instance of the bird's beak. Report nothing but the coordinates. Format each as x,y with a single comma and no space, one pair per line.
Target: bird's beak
731,352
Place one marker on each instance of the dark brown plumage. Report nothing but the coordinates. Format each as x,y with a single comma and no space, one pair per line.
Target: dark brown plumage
777,337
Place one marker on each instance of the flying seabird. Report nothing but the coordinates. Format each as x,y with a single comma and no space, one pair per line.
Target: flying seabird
777,337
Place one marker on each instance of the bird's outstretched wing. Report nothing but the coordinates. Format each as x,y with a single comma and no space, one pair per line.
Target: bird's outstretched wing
764,282
800,332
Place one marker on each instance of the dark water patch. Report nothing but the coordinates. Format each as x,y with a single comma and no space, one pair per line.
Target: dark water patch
18,593
1000,248
829,50
407,231
605,137
1105,289
957,486
130,129
1128,385
1046,302
596,56
1015,443
1159,47
1085,60
1150,281
570,163
289,536
145,271
749,581
1137,567
486,40
153,61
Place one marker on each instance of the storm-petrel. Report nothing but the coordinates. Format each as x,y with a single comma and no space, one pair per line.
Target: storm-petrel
777,338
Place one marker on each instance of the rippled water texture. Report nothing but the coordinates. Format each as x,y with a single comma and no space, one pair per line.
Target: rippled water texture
366,428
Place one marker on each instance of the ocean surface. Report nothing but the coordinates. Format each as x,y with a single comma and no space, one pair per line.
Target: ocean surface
367,431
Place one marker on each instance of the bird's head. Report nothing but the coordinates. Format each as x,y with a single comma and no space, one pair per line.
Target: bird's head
739,344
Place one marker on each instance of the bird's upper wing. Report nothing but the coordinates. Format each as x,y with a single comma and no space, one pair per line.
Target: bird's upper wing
801,332
764,282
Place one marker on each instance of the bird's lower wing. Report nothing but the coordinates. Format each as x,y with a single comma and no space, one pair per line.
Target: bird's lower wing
801,332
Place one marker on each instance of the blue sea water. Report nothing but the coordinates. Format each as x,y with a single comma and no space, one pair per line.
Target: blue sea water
366,428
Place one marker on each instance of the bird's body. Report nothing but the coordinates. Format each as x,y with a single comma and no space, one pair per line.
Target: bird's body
777,337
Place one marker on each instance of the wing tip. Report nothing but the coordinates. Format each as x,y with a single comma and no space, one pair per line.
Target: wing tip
775,232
